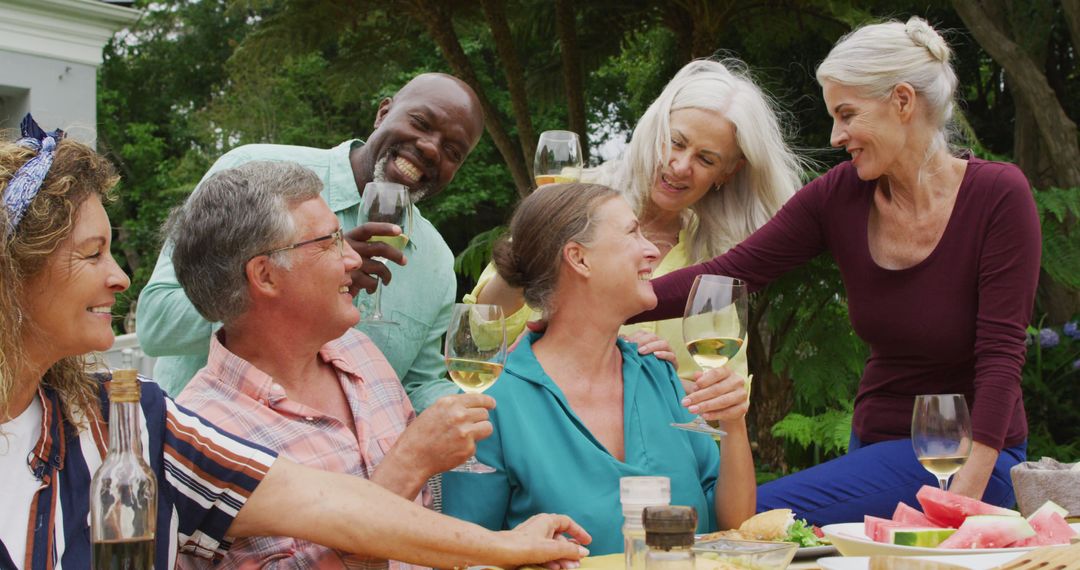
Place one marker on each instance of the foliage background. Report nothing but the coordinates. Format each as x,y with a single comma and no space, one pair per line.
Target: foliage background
195,78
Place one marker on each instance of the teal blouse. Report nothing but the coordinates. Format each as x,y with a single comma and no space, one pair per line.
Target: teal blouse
547,461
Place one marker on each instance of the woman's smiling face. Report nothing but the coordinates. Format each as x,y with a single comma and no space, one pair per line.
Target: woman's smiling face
704,153
69,302
868,129
621,260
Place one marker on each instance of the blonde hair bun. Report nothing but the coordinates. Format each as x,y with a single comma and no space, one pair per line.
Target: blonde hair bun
924,35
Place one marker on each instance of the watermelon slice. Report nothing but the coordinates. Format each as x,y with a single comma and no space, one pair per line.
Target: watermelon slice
950,510
876,528
927,537
989,531
1050,526
910,515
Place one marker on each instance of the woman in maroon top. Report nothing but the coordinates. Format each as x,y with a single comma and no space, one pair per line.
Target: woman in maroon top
940,259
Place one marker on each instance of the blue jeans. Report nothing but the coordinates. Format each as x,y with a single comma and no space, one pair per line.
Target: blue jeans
870,480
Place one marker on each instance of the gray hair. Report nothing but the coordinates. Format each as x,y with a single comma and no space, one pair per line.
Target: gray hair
878,57
233,216
753,195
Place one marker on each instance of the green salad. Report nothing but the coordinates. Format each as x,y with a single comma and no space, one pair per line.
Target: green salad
803,534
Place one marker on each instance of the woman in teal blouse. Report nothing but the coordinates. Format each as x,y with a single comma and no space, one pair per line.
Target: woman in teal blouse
576,407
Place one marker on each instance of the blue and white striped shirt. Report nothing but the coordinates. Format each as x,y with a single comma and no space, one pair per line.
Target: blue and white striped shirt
204,476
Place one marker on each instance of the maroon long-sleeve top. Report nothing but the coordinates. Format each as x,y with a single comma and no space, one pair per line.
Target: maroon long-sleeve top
953,323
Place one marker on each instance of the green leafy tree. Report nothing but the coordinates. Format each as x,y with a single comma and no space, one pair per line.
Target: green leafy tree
154,79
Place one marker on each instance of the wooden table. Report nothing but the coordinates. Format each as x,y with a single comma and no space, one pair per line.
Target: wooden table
617,562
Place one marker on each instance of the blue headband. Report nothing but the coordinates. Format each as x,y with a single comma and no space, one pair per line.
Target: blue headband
24,186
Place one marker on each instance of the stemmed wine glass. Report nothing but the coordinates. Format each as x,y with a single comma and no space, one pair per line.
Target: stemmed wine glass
941,434
714,327
387,202
475,353
558,158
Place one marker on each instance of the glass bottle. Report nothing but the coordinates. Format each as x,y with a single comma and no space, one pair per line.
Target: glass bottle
123,492
669,533
636,493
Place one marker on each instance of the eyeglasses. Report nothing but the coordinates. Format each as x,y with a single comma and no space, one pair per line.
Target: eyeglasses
337,236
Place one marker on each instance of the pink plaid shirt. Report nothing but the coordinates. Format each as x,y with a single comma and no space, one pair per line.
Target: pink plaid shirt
245,401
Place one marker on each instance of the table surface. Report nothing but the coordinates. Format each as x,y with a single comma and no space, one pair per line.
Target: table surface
617,562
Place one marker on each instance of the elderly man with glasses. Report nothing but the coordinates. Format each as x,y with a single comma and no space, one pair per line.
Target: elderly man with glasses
422,135
257,249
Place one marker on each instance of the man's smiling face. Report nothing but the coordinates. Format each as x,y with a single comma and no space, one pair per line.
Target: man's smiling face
423,135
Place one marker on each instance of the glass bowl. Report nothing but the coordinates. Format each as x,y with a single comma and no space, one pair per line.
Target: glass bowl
748,554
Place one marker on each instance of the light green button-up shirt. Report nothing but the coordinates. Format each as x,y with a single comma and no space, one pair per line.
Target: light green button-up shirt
419,297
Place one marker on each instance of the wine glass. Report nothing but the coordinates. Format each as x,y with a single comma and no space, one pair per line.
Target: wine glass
558,158
386,202
941,434
475,353
714,327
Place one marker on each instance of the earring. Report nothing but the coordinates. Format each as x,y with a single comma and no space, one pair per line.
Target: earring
18,317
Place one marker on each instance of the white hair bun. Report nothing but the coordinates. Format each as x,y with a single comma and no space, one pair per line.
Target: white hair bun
923,34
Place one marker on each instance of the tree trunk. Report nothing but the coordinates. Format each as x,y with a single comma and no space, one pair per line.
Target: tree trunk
676,19
437,19
1044,138
566,28
1071,8
1031,89
770,393
710,18
1028,146
495,13
131,255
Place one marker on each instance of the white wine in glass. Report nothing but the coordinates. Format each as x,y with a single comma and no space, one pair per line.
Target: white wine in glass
396,242
941,434
475,352
389,203
558,158
714,327
473,376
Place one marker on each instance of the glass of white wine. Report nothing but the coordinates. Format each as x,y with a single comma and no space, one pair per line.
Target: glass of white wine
558,158
475,353
390,203
941,434
714,328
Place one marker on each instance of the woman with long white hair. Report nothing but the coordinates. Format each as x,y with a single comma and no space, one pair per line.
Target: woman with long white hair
707,165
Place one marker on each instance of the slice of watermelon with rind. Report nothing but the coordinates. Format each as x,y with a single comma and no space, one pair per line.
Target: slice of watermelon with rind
1050,506
1050,526
951,510
910,515
925,537
989,531
876,528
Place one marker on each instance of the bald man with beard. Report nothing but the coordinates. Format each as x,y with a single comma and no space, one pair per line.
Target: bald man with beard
422,136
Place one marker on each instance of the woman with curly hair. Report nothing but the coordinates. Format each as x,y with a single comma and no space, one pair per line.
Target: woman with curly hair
58,282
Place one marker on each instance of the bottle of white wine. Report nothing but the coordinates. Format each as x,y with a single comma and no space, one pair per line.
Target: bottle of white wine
123,492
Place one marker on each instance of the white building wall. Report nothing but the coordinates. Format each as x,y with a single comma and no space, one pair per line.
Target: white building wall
49,54
59,94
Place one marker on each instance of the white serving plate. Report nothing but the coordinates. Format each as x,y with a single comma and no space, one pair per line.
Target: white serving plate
970,561
850,540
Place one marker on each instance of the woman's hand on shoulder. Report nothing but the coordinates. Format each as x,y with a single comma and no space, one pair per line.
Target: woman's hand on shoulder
651,343
718,395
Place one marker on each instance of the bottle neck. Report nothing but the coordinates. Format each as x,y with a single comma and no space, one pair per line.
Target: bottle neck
124,432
